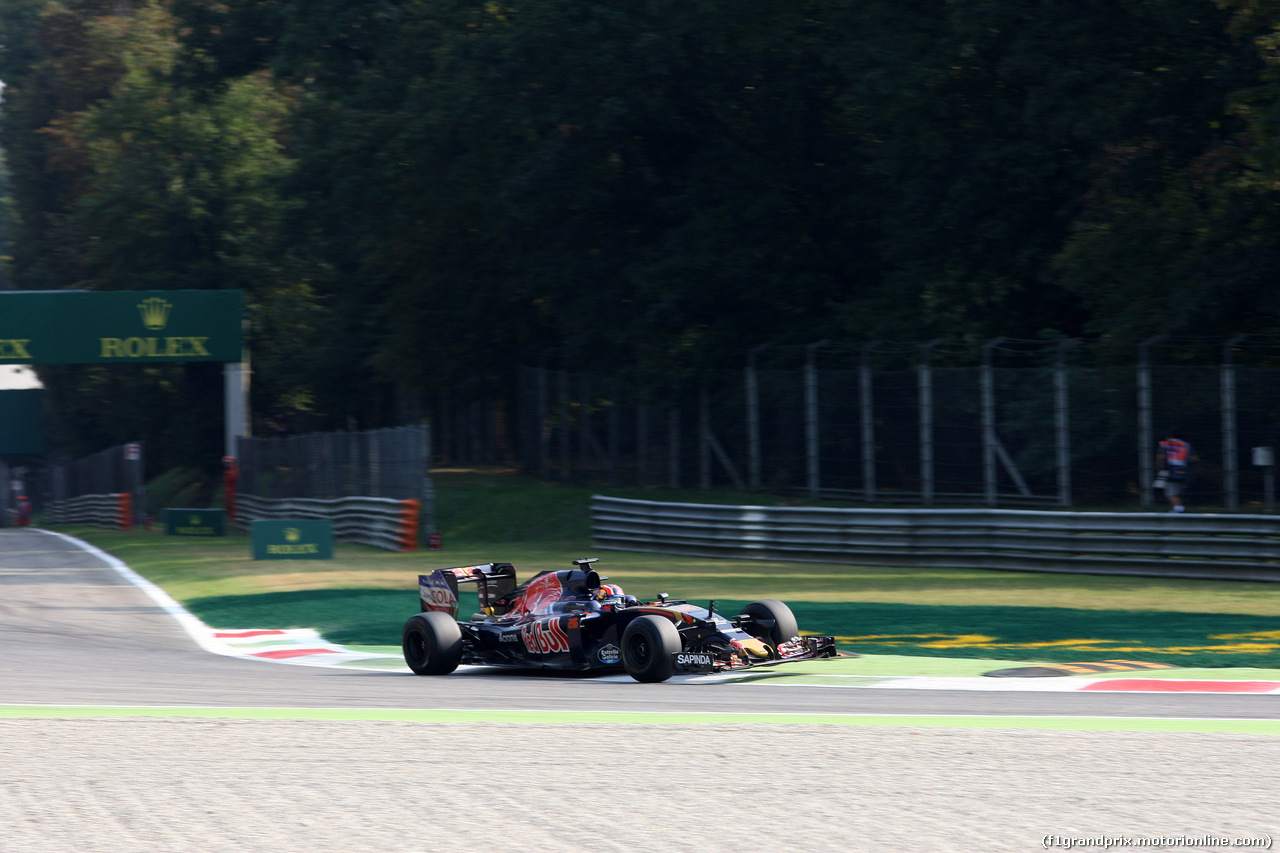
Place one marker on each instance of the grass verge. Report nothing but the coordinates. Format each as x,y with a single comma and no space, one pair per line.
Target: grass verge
364,594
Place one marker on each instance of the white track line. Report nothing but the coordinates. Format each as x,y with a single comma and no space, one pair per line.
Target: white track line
269,642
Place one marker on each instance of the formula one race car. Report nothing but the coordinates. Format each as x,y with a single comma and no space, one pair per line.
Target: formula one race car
574,620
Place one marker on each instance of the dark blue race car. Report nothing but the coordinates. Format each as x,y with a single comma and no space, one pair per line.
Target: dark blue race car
574,620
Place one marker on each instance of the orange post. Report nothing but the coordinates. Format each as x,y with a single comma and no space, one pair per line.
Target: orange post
410,512
126,511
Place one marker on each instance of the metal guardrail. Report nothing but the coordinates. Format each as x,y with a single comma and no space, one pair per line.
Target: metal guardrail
113,511
1183,545
380,522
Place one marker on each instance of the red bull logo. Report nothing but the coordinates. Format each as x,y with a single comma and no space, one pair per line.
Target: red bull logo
545,637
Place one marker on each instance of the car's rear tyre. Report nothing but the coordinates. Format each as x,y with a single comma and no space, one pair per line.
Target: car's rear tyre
769,620
432,643
647,646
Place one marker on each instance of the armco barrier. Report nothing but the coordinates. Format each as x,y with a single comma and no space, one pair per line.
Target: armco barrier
380,522
114,511
1185,545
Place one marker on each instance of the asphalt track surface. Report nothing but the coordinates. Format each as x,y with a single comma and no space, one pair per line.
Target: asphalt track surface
73,632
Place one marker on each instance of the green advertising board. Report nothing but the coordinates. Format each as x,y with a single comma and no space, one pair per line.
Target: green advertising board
120,326
292,539
194,522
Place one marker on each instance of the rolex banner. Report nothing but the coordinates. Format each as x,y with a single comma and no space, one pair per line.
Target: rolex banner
292,539
194,522
120,326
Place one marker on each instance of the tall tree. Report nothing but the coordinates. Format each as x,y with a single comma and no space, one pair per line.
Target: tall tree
165,184
53,69
660,182
419,193
7,225
987,130
1177,231
183,186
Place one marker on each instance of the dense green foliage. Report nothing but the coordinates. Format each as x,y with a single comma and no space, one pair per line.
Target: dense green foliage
418,194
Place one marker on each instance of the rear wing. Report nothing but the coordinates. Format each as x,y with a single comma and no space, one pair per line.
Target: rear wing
439,590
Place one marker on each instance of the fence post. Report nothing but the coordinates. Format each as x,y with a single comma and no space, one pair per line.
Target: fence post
642,442
461,432
141,509
988,405
133,483
584,422
1061,421
124,511
440,417
753,418
704,439
59,482
1146,439
237,419
1230,459
926,422
566,462
867,415
813,459
358,457
615,407
428,486
488,414
410,519
473,433
544,434
673,447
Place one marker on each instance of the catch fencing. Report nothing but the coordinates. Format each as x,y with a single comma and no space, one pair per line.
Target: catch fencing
1209,546
103,489
375,486
114,470
1001,424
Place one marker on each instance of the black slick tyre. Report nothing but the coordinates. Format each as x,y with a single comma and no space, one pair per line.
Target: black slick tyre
647,646
432,643
769,620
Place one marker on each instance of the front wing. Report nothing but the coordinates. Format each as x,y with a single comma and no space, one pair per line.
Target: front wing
799,649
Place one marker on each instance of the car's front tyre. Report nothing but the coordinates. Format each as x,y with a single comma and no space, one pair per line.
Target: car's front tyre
769,620
647,646
432,643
